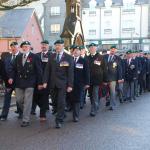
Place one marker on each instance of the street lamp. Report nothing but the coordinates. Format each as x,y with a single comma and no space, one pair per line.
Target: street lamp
132,36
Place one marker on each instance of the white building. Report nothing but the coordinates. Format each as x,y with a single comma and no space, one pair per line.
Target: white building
125,24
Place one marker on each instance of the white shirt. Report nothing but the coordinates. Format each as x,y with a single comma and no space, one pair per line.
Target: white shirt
77,58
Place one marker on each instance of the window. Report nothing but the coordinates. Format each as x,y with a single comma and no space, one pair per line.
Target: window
127,30
107,31
128,11
55,11
92,13
83,12
92,32
55,28
108,13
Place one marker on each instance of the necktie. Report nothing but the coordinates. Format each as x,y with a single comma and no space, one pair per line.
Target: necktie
24,59
109,58
57,58
75,59
13,58
129,62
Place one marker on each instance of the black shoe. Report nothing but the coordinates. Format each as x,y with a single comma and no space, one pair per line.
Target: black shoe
75,119
121,100
58,125
3,118
111,109
131,100
107,104
25,124
17,112
92,114
33,113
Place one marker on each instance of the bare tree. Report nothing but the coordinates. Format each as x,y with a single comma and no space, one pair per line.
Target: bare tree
11,4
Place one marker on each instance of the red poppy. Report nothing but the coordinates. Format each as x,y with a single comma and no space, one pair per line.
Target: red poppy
29,59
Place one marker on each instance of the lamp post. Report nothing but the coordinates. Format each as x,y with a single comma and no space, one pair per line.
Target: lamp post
132,37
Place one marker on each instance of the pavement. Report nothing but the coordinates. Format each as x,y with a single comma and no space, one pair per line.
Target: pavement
126,128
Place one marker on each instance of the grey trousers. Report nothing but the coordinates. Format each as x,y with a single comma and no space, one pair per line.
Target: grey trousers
24,98
94,97
112,86
129,89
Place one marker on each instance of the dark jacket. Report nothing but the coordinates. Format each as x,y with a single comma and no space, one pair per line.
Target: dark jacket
97,69
114,68
28,75
131,70
44,59
81,73
59,74
7,63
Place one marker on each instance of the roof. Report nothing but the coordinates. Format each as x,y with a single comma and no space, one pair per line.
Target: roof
114,2
13,22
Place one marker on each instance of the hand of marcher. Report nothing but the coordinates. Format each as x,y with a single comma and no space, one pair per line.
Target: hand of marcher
45,85
86,86
120,81
69,89
105,83
40,87
10,81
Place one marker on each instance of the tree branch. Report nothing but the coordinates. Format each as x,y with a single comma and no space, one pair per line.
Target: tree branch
4,4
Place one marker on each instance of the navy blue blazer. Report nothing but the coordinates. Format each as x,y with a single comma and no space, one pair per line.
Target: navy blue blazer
131,70
59,74
81,72
114,68
6,65
45,60
29,75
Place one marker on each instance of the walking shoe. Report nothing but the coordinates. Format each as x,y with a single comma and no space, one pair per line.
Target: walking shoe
25,124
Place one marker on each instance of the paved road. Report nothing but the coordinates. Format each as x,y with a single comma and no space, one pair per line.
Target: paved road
127,128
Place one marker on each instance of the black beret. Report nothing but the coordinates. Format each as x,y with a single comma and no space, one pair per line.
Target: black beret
72,46
13,44
92,44
25,43
113,46
129,52
59,42
44,42
76,47
82,47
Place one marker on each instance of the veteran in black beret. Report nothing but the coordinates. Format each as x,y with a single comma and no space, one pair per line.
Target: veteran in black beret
131,70
27,72
59,76
142,75
41,96
81,82
97,77
113,74
9,88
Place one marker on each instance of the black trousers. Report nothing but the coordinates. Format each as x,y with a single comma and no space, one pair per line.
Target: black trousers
76,98
59,102
41,98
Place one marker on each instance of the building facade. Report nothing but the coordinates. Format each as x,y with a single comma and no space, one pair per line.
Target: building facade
105,22
125,24
28,29
54,17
